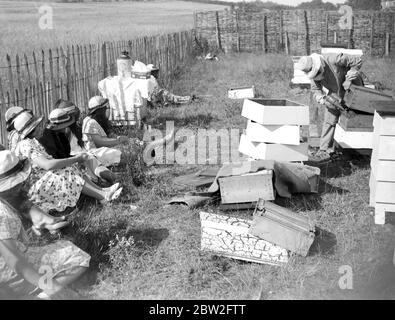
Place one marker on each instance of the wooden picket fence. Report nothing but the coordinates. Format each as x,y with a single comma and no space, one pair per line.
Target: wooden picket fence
35,82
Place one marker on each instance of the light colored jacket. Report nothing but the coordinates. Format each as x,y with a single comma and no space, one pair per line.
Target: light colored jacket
338,69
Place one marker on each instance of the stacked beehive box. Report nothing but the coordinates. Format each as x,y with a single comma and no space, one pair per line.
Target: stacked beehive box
273,130
300,78
382,176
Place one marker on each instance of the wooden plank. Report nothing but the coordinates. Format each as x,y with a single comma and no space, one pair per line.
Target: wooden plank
11,80
241,93
3,108
383,107
247,188
237,206
19,80
276,112
286,134
229,237
278,152
217,30
52,94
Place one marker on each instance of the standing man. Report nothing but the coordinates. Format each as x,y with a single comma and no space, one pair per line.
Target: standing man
335,72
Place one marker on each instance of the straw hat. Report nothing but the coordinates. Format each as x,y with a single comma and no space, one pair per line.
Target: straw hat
11,114
95,103
12,170
60,118
25,123
310,65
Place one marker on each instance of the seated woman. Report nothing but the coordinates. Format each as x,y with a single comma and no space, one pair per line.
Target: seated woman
62,138
49,268
95,131
55,184
13,135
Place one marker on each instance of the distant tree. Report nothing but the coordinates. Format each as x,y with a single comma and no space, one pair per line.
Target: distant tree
317,4
364,4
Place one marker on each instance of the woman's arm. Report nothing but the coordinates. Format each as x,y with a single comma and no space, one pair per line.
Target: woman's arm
52,164
17,262
108,142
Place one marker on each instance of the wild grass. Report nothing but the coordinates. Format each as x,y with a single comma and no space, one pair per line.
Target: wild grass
153,252
84,23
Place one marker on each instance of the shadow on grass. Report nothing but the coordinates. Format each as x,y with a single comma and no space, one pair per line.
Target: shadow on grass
324,243
148,238
196,120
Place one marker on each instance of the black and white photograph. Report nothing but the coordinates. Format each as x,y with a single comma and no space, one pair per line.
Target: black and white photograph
197,156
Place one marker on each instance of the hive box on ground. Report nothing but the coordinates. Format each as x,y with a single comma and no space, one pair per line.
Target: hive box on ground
273,134
241,93
283,227
353,139
277,152
275,112
247,187
229,237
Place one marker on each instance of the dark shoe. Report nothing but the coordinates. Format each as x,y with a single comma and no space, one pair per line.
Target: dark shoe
320,156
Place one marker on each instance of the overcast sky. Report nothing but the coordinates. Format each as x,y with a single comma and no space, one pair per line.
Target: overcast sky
296,2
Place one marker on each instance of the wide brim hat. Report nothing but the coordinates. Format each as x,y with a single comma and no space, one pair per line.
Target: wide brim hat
96,103
60,118
310,65
15,175
25,123
11,114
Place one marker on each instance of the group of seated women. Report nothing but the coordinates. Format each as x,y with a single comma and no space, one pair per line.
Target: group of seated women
46,168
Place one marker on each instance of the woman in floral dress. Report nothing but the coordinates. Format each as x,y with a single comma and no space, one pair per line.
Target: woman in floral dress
25,270
55,184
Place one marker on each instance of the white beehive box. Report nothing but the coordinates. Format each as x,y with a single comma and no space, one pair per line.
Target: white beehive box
351,52
277,152
241,93
286,134
275,112
353,139
229,237
299,76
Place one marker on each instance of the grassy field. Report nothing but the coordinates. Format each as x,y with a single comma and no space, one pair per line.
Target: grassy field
154,252
90,22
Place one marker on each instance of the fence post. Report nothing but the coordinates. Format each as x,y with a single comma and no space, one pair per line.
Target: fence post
264,47
334,37
286,43
2,112
10,79
371,32
218,31
104,59
307,33
237,31
387,44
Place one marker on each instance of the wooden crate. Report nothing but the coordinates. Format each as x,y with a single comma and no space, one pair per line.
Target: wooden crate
273,134
277,152
241,93
356,122
382,176
353,139
276,112
247,187
229,237
364,99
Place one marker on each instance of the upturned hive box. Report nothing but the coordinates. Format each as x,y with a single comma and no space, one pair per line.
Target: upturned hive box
241,93
229,237
275,112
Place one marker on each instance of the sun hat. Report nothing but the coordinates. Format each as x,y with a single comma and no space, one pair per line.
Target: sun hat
25,123
13,171
60,119
310,65
140,70
69,107
11,114
95,103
